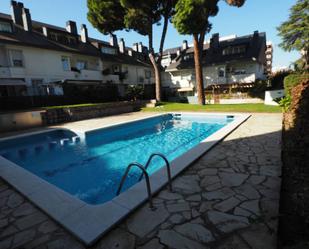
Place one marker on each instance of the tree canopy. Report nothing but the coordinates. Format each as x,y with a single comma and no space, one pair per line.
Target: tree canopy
107,16
295,31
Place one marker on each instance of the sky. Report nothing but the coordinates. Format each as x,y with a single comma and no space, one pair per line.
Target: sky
261,15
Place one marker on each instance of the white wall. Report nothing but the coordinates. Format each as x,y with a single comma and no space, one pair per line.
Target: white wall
270,96
186,78
179,79
46,64
135,73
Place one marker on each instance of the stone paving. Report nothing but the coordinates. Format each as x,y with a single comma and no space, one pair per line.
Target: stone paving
228,199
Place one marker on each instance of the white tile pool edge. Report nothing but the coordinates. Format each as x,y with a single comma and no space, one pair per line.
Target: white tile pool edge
87,222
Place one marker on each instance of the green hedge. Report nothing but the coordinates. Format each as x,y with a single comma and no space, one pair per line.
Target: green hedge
289,82
292,80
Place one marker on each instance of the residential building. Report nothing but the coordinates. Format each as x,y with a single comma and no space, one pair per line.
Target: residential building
225,61
269,58
37,58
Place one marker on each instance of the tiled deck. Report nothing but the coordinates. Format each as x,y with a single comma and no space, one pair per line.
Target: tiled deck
227,199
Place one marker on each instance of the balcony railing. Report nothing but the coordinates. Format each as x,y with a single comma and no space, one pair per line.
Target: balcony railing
5,72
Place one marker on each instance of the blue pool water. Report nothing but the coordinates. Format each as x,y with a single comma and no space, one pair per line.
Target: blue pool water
91,169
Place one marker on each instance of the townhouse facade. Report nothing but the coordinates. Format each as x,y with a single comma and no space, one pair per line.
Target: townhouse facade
226,61
37,58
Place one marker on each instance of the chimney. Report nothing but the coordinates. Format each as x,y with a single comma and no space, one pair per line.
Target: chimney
84,33
130,52
17,9
185,45
45,31
27,20
135,47
113,40
214,41
122,46
71,27
140,47
256,34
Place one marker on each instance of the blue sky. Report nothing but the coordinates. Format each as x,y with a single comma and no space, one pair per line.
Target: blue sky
262,15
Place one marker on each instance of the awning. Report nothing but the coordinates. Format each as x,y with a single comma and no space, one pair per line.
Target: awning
185,89
12,82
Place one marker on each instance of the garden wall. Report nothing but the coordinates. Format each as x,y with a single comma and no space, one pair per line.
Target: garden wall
294,206
70,114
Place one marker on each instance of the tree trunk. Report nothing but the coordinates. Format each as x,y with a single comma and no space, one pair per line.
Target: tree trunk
198,70
157,73
156,67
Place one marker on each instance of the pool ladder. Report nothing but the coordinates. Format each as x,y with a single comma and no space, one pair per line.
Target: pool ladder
144,173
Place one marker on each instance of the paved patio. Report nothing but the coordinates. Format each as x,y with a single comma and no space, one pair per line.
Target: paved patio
228,199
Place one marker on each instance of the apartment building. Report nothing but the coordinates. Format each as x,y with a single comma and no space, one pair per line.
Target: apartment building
227,60
37,58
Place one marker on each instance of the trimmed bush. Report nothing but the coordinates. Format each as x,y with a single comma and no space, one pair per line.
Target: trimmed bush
292,80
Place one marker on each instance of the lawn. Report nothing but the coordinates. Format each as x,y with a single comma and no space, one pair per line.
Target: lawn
170,107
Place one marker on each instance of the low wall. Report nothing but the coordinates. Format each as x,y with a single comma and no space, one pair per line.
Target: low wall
63,115
25,120
20,120
194,100
270,97
238,101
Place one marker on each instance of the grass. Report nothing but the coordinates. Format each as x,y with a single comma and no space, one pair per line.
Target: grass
251,108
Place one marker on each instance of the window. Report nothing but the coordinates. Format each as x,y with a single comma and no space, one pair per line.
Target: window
234,50
188,57
239,72
5,27
53,36
65,63
106,50
147,74
116,69
17,58
221,72
80,65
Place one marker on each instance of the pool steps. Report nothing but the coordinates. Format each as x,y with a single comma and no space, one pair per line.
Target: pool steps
23,152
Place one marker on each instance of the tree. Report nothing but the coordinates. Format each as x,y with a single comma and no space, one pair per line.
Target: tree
141,16
197,12
109,16
295,31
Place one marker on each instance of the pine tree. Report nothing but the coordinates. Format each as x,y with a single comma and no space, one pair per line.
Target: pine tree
109,16
295,31
192,18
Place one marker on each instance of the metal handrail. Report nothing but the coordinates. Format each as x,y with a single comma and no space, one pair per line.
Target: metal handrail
168,168
141,167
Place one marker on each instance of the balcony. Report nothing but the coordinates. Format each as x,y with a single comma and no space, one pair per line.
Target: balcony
242,78
5,72
112,78
88,74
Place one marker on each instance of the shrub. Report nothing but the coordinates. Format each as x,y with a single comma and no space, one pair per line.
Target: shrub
135,92
258,90
292,80
276,80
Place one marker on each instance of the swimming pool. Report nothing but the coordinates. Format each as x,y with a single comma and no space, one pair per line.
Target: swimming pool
91,168
74,177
